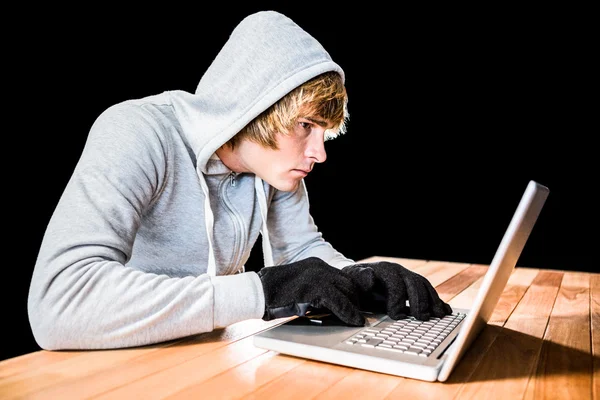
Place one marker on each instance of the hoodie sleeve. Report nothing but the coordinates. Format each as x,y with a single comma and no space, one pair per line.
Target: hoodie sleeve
82,293
293,234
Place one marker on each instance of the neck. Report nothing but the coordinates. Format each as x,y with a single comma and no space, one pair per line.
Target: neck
229,157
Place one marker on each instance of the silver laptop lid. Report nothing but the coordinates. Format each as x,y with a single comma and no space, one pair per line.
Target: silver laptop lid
499,272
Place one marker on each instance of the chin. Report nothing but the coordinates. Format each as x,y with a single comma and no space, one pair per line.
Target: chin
287,186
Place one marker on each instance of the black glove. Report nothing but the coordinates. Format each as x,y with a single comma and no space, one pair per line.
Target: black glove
310,284
386,286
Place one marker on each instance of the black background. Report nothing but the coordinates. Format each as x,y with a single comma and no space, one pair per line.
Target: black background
453,111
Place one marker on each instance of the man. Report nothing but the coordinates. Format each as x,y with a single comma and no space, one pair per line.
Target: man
149,239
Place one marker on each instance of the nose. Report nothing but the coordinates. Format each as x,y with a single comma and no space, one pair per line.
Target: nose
316,147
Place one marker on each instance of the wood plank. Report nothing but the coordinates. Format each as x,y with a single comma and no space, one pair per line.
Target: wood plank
461,282
518,282
515,289
58,380
306,380
595,332
360,384
31,361
505,369
439,272
168,381
565,366
28,383
245,378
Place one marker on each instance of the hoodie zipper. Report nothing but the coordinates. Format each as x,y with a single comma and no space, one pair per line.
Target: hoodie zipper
238,224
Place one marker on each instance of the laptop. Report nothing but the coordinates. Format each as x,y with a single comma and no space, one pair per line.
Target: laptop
424,350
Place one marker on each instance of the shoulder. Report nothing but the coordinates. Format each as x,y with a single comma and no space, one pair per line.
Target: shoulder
146,124
148,114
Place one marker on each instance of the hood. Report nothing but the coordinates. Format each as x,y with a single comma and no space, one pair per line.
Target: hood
266,56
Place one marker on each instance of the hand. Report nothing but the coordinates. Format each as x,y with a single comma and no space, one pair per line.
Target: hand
294,289
386,286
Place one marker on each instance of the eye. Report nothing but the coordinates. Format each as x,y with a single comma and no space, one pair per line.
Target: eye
304,125
304,128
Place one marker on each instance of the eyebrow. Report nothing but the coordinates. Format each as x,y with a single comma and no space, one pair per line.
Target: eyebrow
319,122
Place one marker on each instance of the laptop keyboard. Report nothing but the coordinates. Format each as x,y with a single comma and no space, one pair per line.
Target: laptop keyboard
408,335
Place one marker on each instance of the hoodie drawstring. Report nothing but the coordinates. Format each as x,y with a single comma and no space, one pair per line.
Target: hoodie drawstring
262,203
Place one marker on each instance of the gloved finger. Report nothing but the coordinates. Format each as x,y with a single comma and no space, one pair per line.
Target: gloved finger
418,297
439,308
397,294
363,276
342,307
347,285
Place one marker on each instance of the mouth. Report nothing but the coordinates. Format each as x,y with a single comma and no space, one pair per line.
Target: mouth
302,171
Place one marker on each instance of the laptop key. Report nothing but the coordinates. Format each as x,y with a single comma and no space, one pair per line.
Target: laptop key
390,349
372,342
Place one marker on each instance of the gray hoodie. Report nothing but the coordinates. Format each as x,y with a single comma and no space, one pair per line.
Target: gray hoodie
149,239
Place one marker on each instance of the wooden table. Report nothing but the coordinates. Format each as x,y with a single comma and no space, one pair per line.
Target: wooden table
542,342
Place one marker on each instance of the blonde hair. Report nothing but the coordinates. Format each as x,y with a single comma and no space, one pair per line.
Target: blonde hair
324,97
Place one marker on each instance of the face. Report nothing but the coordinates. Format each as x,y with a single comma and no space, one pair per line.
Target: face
297,154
